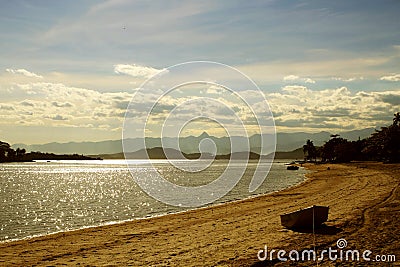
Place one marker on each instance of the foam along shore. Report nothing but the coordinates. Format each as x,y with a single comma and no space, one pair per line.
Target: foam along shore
364,201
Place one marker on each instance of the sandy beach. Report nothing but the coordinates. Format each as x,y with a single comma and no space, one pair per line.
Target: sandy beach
364,201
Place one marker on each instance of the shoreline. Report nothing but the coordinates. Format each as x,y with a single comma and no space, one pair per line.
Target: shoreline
226,234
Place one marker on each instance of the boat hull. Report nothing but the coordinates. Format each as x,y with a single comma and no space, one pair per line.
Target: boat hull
305,218
292,167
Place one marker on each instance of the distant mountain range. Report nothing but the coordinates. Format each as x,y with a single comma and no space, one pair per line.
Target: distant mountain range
160,153
190,144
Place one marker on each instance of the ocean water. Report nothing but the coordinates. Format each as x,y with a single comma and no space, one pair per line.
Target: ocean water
39,198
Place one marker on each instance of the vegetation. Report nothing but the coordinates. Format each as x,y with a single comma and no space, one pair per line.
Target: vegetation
309,150
7,154
383,145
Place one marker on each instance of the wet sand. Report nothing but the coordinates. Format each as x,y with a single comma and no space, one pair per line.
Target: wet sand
364,200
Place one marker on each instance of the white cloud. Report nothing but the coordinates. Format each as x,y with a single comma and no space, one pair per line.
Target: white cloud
215,90
136,70
391,78
292,78
332,109
24,72
308,80
351,79
58,105
296,89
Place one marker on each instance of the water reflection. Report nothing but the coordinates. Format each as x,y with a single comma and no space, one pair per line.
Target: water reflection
41,197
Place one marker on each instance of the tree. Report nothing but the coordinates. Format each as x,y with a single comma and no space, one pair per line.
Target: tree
11,154
2,155
345,151
358,147
338,149
309,150
328,149
396,119
20,152
384,144
4,147
7,154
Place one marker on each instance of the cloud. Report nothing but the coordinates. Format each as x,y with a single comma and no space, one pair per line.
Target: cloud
308,80
27,103
58,118
295,107
391,99
123,105
136,70
332,109
351,79
215,90
391,78
25,73
7,107
61,105
293,78
337,65
296,90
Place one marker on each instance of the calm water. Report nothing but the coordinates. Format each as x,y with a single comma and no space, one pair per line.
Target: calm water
46,197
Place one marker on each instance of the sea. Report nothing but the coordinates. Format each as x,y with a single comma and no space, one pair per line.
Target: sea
40,198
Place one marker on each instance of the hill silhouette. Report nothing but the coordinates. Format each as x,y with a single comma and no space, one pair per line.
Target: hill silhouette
159,153
190,144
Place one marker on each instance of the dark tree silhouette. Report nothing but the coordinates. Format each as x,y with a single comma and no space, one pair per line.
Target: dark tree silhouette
20,152
337,149
384,144
4,147
396,119
7,154
309,150
11,154
358,147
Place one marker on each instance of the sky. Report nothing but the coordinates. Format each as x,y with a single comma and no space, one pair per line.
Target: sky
69,69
